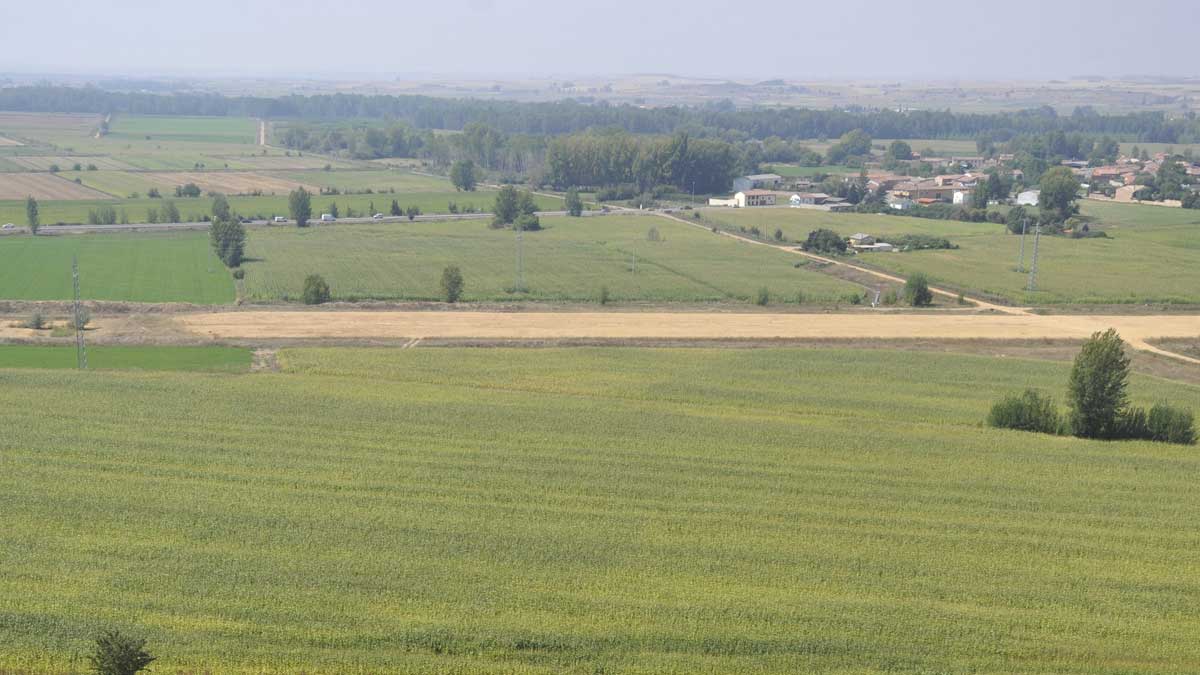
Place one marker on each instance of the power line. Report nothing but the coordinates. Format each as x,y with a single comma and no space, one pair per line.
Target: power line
80,349
1021,259
1037,237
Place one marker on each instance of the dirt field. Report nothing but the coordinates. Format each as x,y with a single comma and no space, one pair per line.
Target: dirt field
611,325
9,141
43,186
232,182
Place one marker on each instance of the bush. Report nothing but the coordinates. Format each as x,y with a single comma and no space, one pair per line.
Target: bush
452,283
36,321
527,222
1028,411
916,291
1171,425
763,298
117,654
603,298
653,235
316,291
239,273
778,234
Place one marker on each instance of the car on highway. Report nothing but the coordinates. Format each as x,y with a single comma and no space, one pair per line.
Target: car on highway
377,216
328,218
279,219
7,226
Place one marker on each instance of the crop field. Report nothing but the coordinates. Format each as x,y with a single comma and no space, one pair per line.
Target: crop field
590,510
18,186
1152,253
66,162
47,127
205,359
192,129
377,180
571,259
135,267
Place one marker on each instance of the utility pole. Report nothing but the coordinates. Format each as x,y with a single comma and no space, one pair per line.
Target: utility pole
1037,237
1021,260
520,287
80,349
633,262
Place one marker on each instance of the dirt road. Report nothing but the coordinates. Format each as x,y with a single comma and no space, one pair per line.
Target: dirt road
1136,330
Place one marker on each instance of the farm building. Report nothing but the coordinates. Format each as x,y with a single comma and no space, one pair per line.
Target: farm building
745,199
861,239
1028,198
808,198
962,197
758,181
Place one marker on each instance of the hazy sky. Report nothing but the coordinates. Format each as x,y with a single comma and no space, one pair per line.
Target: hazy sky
1004,39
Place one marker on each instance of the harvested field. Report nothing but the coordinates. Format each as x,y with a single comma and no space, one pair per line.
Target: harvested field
231,182
43,186
283,162
550,325
47,126
9,141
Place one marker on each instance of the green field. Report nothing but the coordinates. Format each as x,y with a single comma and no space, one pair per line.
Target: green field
379,181
571,259
190,129
1152,253
584,511
136,267
100,357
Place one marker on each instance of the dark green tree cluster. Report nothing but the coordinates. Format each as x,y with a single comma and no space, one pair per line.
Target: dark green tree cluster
462,175
825,241
574,204
316,290
601,160
853,144
1099,402
300,206
1059,192
516,208
31,215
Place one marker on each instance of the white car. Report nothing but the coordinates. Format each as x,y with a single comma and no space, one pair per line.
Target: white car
7,226
378,216
280,219
327,218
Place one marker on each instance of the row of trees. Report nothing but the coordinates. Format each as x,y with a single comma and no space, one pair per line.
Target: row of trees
571,116
608,159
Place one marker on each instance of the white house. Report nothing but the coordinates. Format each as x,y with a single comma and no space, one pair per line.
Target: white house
746,199
962,198
1028,198
808,199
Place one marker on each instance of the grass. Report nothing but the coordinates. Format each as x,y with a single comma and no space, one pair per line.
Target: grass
590,510
381,181
569,260
230,130
1152,253
206,359
136,267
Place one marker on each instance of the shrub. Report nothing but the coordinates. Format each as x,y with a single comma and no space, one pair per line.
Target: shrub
452,283
916,291
800,297
117,654
763,297
603,298
527,222
653,235
778,234
1028,411
36,321
316,290
239,273
1171,425
1131,424
891,297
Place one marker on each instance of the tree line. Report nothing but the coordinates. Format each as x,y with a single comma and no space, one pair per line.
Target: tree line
572,116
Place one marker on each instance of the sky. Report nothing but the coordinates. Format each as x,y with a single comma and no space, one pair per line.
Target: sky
794,39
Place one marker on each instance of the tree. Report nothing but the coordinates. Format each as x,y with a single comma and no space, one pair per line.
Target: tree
507,206
316,290
118,654
333,209
396,211
1097,386
854,143
1016,220
574,203
300,206
452,283
31,214
220,208
528,222
899,150
462,174
170,212
412,212
1059,190
916,291
228,238
825,241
